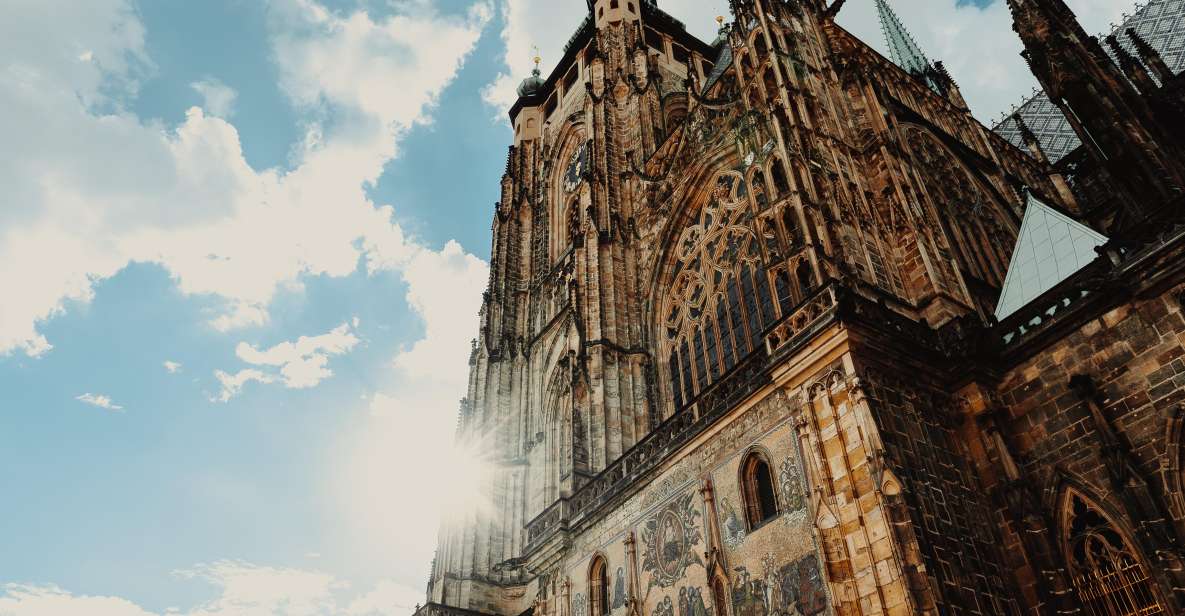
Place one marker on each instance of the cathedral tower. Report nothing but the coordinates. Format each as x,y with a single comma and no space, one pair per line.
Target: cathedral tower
738,354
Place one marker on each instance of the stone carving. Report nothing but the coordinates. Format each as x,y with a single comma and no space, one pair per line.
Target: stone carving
579,605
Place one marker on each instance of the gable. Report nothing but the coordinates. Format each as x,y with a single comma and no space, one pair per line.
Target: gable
1049,248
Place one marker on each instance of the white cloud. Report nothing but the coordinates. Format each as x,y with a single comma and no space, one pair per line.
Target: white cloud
100,401
248,589
301,364
411,418
387,597
977,45
243,589
172,367
218,98
232,384
28,600
94,187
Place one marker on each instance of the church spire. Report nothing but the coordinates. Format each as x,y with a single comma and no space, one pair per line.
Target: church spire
907,54
904,51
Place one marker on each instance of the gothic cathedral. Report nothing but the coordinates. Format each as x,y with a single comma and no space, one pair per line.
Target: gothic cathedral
775,327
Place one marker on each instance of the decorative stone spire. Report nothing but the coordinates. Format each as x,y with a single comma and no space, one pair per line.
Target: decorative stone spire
1150,56
906,53
1135,72
1112,119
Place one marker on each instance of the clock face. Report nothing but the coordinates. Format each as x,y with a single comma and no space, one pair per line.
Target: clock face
576,168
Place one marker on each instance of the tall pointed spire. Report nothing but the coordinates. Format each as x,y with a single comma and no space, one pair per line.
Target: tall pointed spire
904,51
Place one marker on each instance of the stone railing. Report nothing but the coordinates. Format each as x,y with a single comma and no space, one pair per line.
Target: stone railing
545,524
737,384
1052,306
800,320
740,382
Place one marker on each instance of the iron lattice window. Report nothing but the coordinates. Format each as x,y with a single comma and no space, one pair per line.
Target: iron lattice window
1108,574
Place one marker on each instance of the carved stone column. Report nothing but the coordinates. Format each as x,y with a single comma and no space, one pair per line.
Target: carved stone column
632,604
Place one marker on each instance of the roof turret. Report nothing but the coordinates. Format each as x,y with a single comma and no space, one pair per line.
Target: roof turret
533,84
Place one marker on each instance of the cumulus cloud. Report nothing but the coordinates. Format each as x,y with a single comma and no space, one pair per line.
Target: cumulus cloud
100,401
232,384
30,600
218,98
298,365
243,589
977,44
94,187
172,367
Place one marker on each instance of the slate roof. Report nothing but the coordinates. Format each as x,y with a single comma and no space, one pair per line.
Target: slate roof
1160,22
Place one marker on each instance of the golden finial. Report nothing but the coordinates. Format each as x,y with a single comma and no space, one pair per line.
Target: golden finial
720,20
537,59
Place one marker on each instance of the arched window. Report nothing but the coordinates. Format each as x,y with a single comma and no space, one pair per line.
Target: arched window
720,298
1107,572
598,586
720,596
760,46
770,82
757,483
758,184
783,123
573,221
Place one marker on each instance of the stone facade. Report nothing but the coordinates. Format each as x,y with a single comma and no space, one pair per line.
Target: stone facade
737,355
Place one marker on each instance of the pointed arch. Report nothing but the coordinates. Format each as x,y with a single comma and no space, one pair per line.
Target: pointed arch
1173,465
758,489
598,586
970,212
1107,570
565,195
720,595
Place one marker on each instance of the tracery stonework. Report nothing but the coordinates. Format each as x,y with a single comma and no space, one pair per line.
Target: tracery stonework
739,353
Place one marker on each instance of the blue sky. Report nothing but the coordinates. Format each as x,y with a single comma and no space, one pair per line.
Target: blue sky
244,243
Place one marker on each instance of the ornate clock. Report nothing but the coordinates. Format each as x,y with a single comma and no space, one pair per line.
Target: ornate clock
577,167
